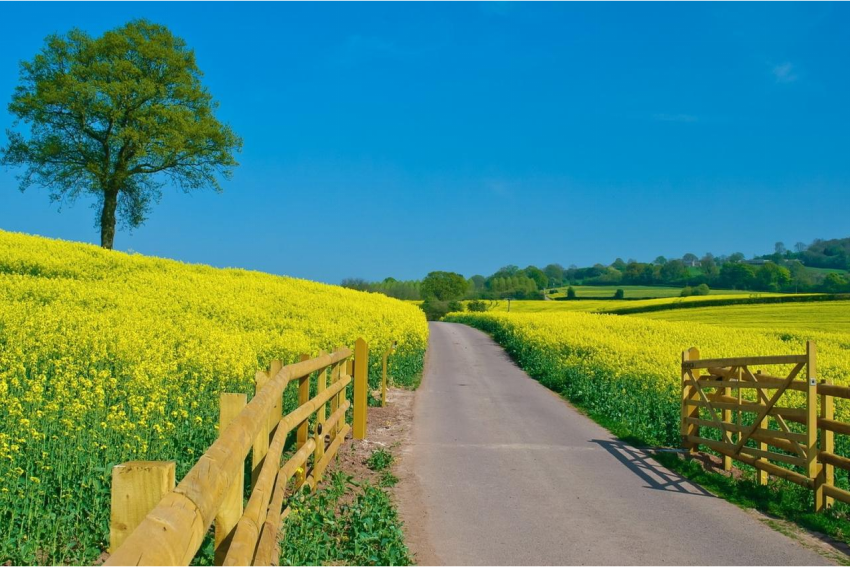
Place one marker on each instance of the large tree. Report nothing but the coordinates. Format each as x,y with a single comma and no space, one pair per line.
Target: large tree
117,117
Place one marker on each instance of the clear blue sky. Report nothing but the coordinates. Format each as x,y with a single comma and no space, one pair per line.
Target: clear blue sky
395,139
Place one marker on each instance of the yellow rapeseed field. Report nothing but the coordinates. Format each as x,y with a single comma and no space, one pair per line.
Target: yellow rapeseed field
627,369
107,357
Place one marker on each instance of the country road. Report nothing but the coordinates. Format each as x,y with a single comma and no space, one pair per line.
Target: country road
503,472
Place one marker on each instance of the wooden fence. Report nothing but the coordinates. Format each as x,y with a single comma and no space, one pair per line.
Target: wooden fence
155,523
758,421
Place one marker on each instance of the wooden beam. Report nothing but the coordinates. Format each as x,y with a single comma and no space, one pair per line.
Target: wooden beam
778,417
798,415
833,460
834,390
834,492
770,455
798,385
764,432
745,361
773,470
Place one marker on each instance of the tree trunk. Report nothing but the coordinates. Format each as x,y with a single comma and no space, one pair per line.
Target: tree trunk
107,218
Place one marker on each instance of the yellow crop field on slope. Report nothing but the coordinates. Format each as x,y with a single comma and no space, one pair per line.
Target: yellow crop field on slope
107,357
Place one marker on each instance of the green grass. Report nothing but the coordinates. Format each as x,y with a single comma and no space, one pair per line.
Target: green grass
614,305
379,460
828,316
826,271
630,291
344,523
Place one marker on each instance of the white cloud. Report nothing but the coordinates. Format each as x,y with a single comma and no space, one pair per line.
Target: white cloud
784,73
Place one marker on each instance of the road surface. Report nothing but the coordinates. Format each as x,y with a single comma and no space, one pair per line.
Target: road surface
501,471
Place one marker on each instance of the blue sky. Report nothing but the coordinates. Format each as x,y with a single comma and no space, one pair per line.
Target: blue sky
395,139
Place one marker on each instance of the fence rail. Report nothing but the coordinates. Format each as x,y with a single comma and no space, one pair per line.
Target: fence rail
154,522
803,453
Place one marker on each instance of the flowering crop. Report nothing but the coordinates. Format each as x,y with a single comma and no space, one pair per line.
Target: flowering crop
627,369
107,357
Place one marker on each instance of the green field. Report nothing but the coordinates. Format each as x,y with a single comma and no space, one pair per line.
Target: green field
825,271
630,291
827,316
611,305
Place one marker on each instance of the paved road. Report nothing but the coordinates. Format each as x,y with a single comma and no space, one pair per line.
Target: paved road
505,472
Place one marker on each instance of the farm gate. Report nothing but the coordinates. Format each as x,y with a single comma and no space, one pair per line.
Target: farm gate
781,425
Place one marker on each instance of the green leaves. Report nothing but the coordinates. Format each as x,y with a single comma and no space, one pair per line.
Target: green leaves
118,116
379,460
344,522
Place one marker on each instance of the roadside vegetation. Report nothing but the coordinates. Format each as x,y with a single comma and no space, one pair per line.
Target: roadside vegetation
108,357
345,522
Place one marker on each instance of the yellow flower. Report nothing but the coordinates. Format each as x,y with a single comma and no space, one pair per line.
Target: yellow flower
107,357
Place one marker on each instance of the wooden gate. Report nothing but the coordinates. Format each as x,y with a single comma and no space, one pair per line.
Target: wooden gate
781,425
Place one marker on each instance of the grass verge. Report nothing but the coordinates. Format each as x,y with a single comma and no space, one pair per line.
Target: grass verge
345,522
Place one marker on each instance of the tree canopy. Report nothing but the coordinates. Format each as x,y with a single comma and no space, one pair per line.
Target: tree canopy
444,286
117,117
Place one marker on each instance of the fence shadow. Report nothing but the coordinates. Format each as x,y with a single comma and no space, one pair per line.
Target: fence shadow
657,477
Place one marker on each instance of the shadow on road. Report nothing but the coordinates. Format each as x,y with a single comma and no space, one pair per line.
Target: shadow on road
655,475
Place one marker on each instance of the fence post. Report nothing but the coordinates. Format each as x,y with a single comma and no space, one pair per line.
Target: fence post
348,367
384,376
137,487
811,454
261,443
231,510
335,375
826,441
319,452
726,417
277,411
761,475
688,394
360,389
303,397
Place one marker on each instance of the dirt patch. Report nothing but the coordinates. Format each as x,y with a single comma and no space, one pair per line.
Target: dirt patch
386,428
389,428
715,464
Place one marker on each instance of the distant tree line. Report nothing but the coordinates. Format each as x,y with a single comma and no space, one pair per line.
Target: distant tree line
392,287
783,271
